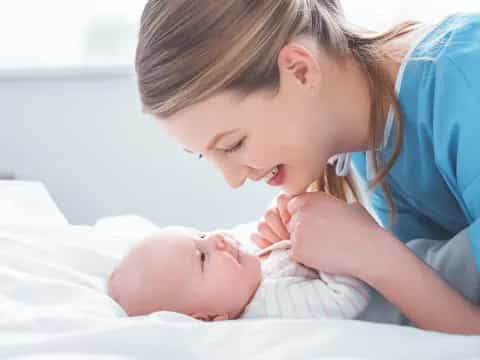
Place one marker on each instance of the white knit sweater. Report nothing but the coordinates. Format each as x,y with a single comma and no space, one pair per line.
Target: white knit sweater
290,290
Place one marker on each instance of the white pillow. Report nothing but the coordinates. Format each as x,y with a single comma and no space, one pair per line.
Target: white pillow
126,226
28,203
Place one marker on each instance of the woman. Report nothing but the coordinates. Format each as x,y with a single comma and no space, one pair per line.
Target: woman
286,90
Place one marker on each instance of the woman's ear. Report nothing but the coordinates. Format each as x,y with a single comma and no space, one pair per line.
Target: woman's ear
210,317
301,60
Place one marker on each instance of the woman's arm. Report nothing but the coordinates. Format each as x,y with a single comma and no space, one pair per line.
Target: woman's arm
352,243
418,291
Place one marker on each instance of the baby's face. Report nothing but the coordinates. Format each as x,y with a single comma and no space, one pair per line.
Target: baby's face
205,275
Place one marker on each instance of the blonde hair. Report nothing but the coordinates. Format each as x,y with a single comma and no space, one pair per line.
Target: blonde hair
189,50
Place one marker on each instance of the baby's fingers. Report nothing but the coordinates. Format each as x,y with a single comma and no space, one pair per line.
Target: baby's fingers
274,221
267,233
282,204
261,243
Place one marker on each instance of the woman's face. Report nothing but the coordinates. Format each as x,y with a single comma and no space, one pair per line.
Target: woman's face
297,129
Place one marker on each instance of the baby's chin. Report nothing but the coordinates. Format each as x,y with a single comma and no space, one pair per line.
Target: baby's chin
254,264
248,258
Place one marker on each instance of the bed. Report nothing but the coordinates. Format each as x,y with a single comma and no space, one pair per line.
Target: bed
53,303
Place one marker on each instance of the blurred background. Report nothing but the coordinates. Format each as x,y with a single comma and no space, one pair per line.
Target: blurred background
70,114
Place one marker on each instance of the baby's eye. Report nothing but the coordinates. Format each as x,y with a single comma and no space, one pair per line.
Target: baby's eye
203,235
203,257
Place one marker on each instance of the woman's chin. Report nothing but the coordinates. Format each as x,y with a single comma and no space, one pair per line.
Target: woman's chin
294,190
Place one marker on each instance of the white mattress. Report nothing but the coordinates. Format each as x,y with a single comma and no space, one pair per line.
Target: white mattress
53,305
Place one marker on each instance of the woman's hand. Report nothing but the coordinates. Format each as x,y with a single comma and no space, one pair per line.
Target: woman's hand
332,236
273,227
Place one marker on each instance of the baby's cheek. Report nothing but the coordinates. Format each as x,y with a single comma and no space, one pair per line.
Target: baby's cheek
227,280
253,268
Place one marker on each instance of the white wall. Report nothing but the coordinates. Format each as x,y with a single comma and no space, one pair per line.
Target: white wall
84,136
92,32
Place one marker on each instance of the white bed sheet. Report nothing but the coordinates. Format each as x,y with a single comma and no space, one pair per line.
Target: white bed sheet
53,306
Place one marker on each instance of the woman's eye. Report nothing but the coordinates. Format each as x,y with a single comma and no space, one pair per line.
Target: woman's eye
235,147
203,236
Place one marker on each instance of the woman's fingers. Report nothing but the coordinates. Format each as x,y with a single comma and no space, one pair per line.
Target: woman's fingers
274,221
297,203
292,224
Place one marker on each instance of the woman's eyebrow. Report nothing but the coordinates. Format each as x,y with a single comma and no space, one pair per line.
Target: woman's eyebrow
214,141
217,138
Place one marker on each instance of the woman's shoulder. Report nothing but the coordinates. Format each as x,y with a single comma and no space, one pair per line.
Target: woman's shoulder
454,40
446,60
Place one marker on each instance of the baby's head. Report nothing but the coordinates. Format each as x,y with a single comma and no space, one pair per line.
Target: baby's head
204,275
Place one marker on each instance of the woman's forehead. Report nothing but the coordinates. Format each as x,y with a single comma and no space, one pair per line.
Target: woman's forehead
222,103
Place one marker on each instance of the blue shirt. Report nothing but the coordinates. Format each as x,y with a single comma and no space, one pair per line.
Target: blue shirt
435,181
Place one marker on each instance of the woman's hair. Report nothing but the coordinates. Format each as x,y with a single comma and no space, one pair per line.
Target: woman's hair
189,50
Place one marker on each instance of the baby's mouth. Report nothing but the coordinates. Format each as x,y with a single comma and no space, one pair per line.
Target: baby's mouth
238,255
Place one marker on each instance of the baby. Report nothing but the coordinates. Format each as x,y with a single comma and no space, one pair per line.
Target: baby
212,276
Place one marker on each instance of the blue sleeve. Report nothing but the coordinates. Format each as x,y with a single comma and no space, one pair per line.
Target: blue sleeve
408,225
456,132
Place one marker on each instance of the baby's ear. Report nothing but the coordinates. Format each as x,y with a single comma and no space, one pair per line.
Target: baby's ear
221,317
210,317
201,316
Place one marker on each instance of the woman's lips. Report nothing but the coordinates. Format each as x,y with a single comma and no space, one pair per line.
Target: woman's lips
279,178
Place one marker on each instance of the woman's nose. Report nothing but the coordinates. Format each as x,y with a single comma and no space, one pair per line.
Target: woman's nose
235,181
234,174
235,178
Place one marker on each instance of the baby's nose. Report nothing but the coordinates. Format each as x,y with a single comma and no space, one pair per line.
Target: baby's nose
221,243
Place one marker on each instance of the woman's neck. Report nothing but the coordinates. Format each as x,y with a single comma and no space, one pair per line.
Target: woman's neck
395,52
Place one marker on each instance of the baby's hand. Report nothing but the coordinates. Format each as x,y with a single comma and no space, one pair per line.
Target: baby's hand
273,227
